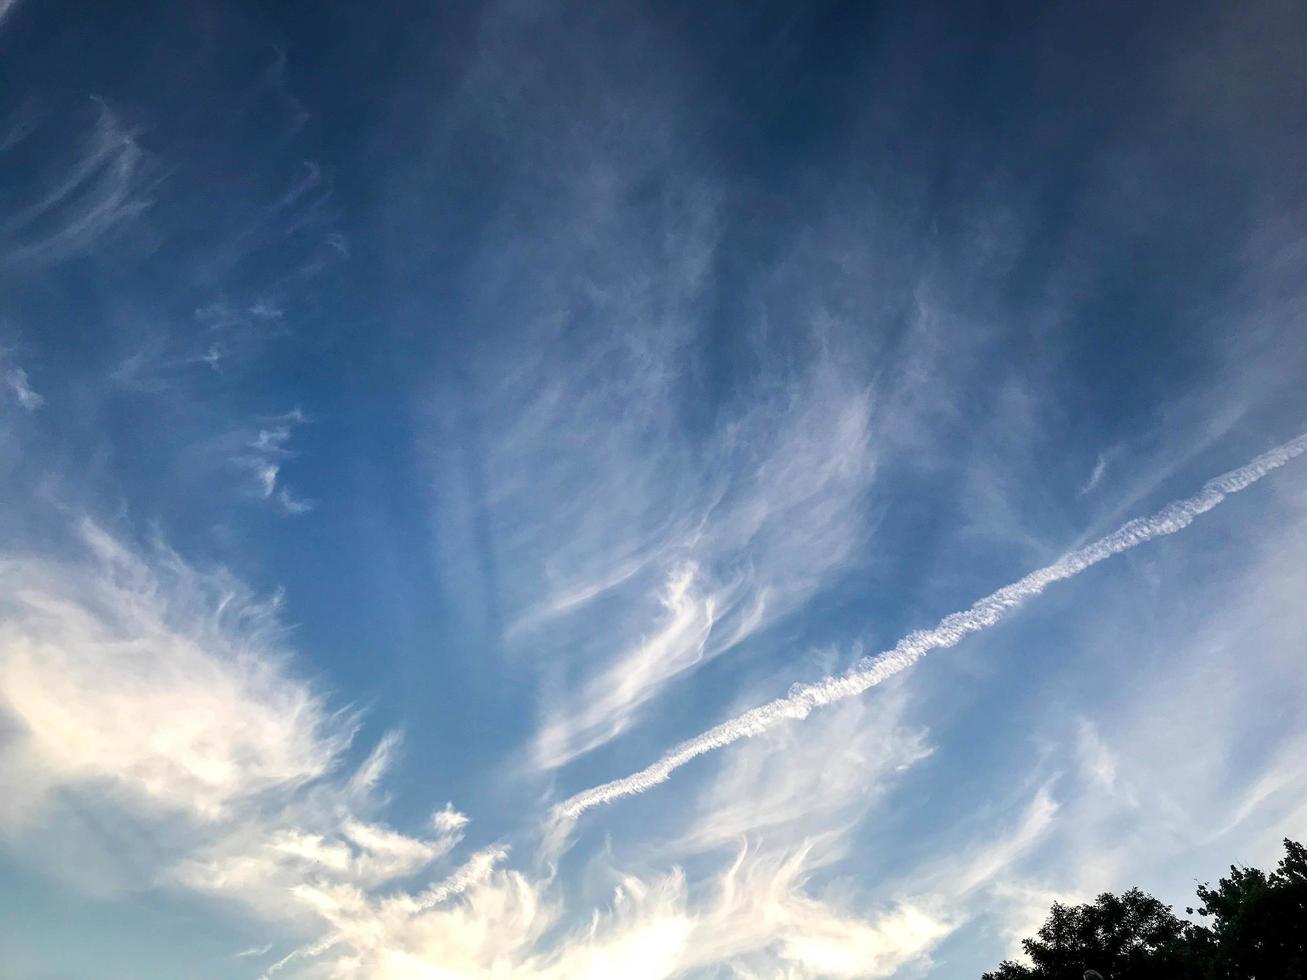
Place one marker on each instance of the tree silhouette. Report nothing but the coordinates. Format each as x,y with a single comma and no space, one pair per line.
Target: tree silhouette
1257,931
1127,937
1259,921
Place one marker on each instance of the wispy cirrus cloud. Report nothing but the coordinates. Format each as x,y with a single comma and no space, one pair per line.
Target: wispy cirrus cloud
753,915
93,642
1096,474
241,767
245,769
264,454
14,378
6,8
249,461
779,510
608,515
141,689
811,785
709,370
240,773
103,187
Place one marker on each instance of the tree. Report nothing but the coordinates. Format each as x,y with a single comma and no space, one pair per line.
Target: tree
1257,931
1259,921
1127,937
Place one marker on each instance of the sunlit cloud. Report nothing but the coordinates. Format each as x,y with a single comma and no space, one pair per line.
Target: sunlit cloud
253,758
93,643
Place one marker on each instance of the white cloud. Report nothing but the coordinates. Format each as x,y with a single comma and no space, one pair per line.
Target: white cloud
136,688
102,189
150,679
6,8
448,820
1096,475
599,508
140,684
262,454
752,915
15,379
249,757
773,518
796,784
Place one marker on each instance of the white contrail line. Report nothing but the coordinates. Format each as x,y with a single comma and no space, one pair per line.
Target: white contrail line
870,671
476,870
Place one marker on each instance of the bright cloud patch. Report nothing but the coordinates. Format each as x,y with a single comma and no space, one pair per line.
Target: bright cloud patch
159,682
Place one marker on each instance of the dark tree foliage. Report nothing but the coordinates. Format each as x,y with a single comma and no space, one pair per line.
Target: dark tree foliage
1253,926
1259,921
1124,937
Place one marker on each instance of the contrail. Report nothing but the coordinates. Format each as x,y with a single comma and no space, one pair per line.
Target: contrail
476,870
870,671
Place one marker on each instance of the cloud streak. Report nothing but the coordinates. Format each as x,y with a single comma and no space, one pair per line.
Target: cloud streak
91,198
984,613
263,454
14,378
1095,477
6,8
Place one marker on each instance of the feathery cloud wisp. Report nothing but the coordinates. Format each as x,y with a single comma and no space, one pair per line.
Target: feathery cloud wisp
1096,476
103,189
14,378
89,647
6,8
263,454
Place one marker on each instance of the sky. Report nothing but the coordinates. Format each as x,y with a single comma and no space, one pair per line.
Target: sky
560,490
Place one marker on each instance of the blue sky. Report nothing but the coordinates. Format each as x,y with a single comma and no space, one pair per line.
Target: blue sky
418,421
